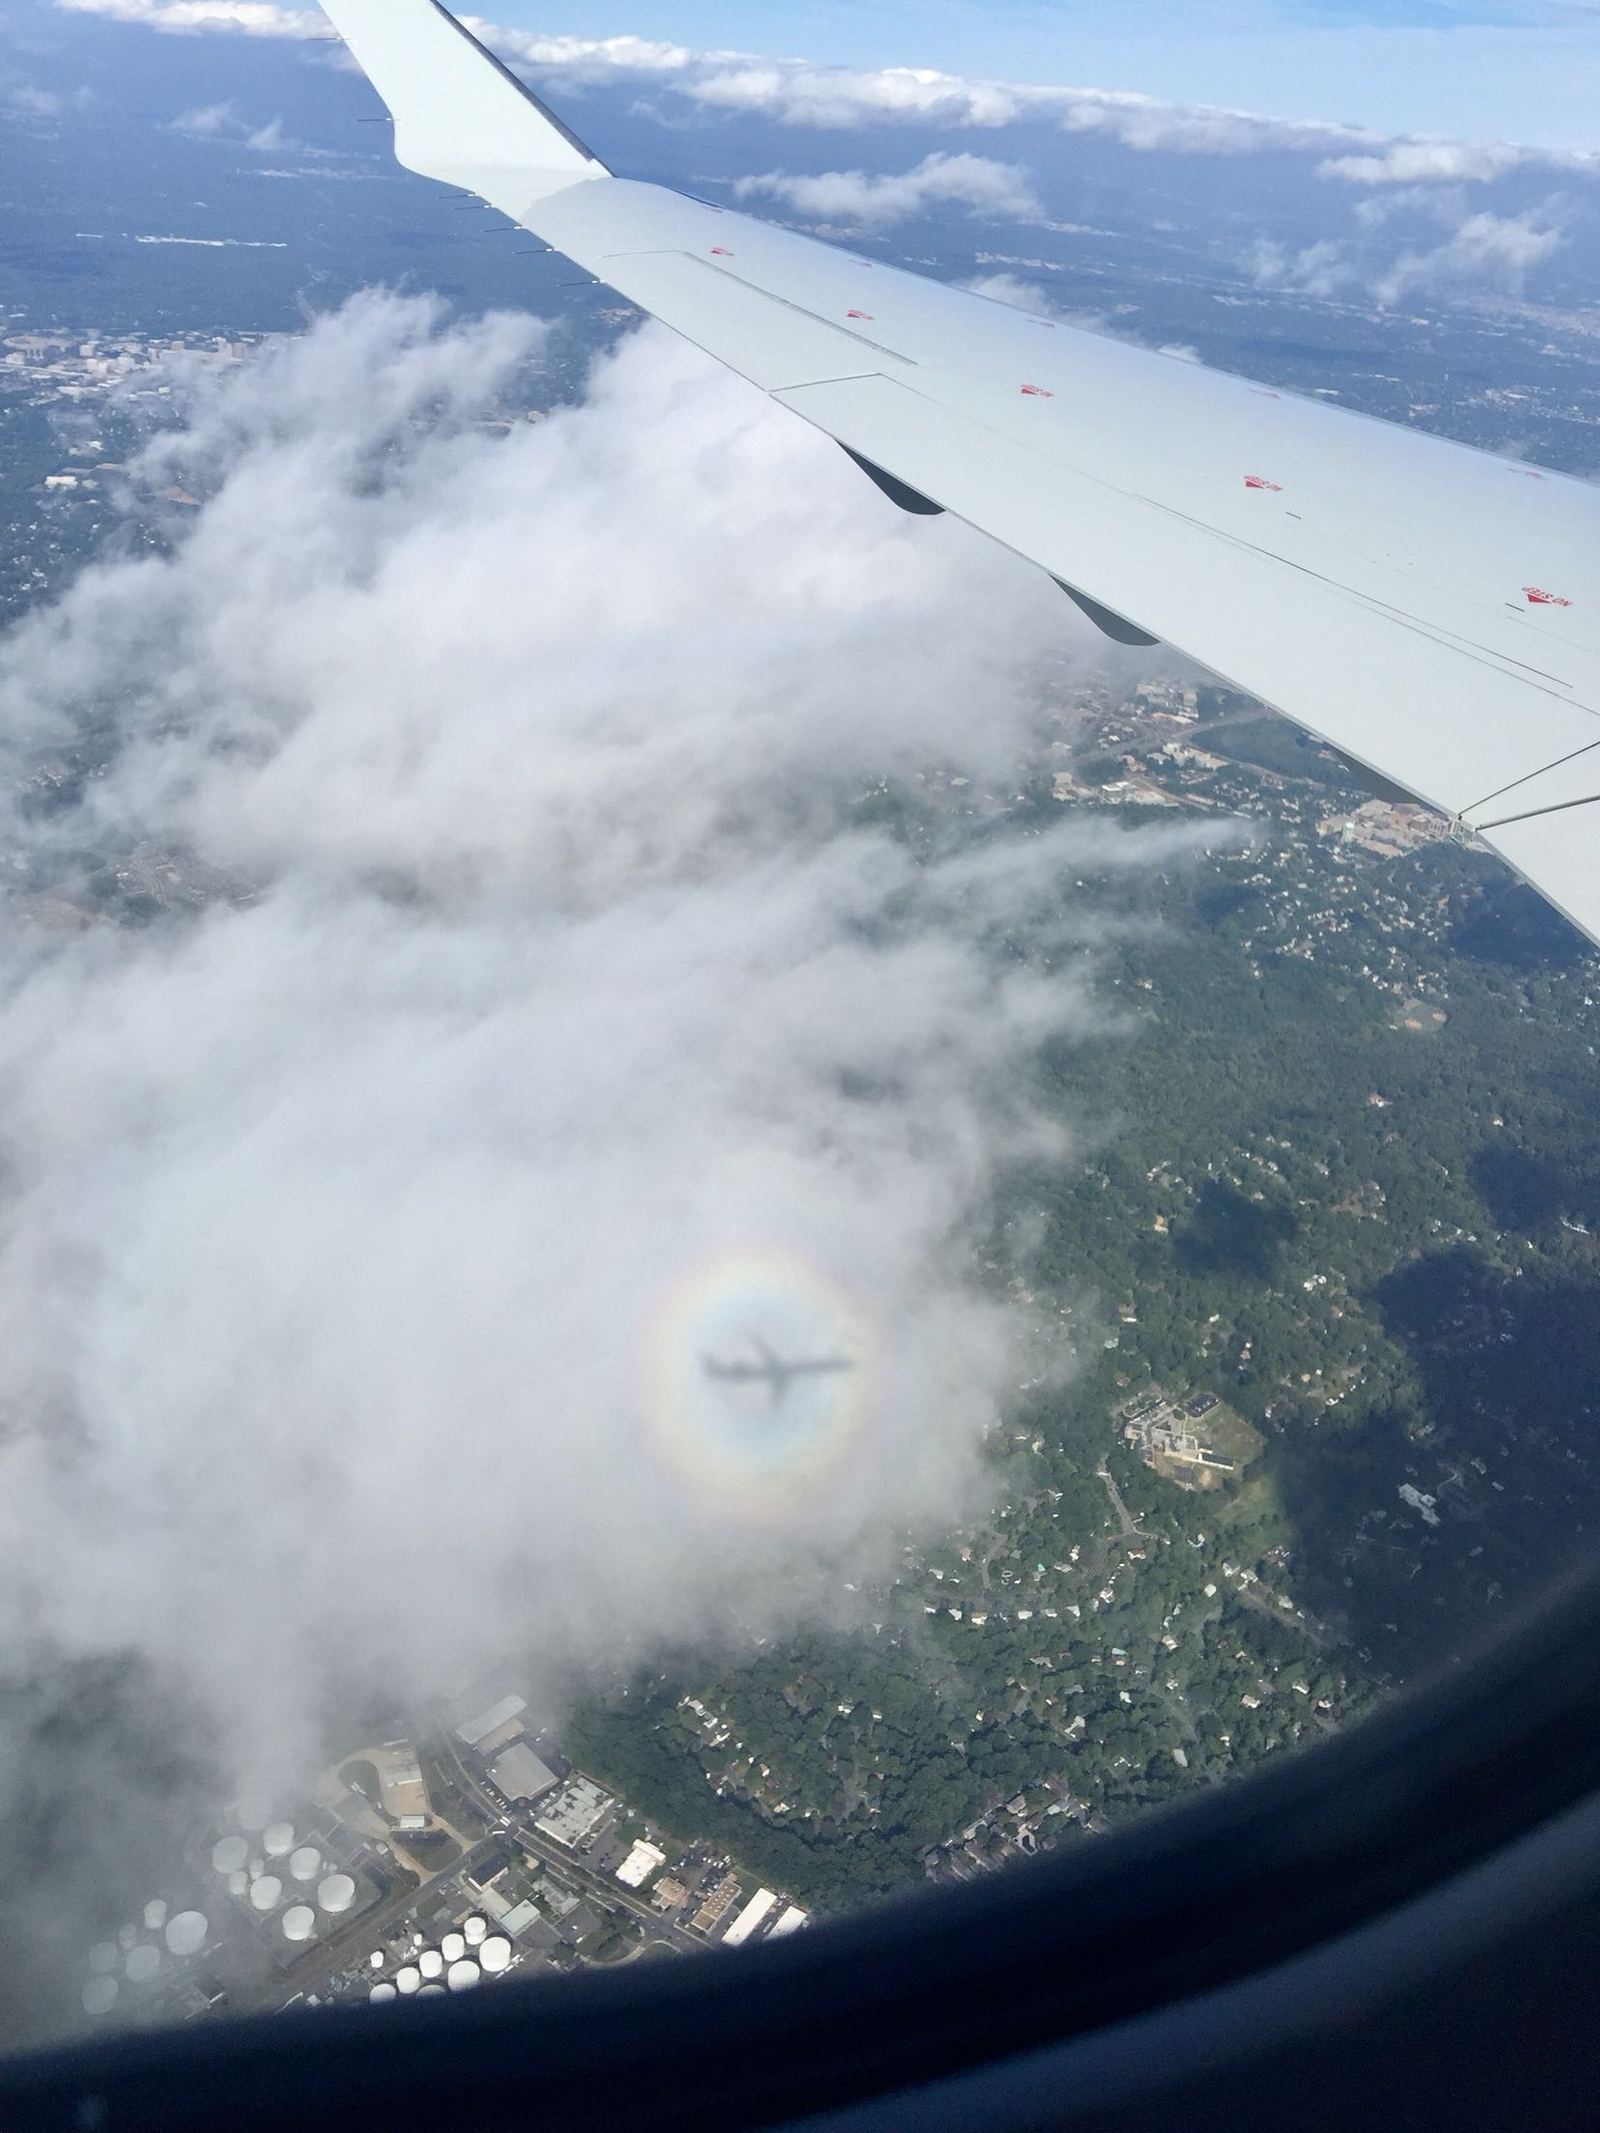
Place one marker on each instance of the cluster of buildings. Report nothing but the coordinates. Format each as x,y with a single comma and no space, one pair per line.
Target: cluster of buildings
1160,1429
1018,1829
420,1868
76,366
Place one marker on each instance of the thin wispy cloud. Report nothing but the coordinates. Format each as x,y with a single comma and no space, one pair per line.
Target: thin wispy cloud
1322,268
1484,253
1024,295
1487,251
24,98
222,122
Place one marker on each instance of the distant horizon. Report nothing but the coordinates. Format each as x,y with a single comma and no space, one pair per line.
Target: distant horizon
1529,75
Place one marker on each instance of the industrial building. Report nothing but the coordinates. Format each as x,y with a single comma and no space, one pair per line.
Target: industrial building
750,1918
402,1789
576,1813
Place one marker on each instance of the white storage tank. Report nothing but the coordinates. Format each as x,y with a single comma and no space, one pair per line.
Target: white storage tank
336,1893
99,1996
186,1934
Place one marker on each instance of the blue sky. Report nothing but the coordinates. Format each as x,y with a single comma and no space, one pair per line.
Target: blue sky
1526,72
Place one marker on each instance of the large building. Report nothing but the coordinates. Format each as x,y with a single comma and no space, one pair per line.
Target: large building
750,1918
576,1814
401,1786
517,1773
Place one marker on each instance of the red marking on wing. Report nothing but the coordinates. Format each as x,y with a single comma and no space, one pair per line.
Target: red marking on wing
859,314
1538,597
1260,481
720,251
1528,473
1266,392
1038,392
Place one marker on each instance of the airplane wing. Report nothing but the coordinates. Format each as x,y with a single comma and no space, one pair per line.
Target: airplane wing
1430,611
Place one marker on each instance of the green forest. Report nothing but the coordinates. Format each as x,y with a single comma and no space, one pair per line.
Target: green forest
1343,1180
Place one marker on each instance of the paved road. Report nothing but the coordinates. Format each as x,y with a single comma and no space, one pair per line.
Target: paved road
1266,1602
1129,1524
607,1886
591,1879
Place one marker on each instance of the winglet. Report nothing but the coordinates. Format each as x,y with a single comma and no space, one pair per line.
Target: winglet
459,114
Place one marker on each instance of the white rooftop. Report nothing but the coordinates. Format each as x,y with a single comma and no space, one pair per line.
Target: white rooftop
640,1864
749,1918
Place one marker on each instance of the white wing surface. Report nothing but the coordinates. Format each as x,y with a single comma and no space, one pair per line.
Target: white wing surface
1430,611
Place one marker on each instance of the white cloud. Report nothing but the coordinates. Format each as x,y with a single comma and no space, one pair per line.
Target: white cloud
1145,122
861,197
798,92
1431,162
1012,289
795,93
589,58
567,1027
1487,251
247,18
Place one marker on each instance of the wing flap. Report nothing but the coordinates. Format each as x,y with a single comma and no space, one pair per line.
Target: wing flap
1559,855
1396,696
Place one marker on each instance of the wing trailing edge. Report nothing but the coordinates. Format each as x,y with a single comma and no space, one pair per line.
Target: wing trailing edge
1425,609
